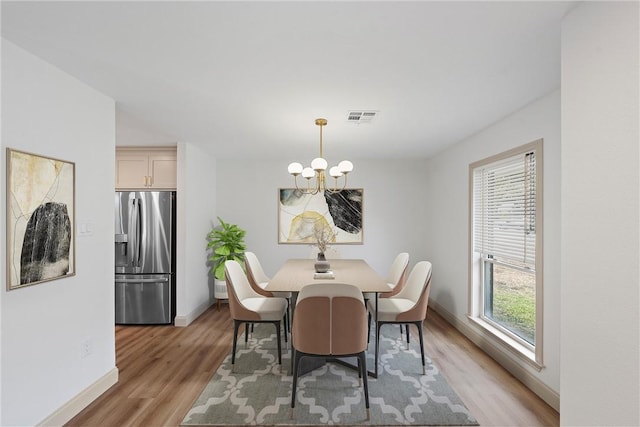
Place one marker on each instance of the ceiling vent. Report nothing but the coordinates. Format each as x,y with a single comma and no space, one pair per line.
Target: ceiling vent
361,116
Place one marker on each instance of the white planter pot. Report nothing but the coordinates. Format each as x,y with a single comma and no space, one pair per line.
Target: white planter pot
220,289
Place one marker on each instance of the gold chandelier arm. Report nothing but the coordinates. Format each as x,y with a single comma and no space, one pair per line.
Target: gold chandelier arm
315,189
335,188
295,180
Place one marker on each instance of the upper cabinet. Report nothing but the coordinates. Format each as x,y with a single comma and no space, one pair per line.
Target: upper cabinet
146,168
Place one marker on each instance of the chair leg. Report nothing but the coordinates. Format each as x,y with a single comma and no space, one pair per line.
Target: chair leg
279,342
236,326
362,364
419,325
407,328
284,326
288,316
246,334
377,346
296,363
368,327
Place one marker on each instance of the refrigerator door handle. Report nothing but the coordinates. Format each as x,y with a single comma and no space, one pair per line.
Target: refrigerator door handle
162,279
137,229
132,233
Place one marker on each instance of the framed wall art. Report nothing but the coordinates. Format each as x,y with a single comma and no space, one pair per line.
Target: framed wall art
40,219
300,214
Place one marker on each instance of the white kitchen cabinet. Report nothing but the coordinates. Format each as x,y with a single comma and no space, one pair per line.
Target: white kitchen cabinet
146,168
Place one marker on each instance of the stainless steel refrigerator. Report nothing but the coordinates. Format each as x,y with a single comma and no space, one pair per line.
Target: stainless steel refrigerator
145,257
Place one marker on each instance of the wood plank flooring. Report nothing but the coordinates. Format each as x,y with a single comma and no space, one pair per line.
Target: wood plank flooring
163,369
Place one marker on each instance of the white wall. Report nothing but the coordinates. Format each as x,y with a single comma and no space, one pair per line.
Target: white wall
196,207
448,222
600,363
393,209
45,111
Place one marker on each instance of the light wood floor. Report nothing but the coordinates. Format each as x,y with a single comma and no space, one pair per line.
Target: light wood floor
163,369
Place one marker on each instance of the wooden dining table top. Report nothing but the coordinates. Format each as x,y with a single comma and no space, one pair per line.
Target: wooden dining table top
296,273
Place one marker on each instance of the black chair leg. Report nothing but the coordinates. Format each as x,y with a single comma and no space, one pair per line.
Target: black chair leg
362,364
407,328
419,325
378,324
368,327
236,326
285,328
279,342
296,363
288,315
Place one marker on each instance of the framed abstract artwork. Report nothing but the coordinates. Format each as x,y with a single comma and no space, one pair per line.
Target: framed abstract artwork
300,214
40,219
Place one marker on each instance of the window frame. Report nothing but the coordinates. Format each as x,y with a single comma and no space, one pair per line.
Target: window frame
532,354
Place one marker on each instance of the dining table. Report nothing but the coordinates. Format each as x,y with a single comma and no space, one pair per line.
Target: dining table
297,273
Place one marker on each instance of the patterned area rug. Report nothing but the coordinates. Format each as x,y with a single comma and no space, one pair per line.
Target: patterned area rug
259,391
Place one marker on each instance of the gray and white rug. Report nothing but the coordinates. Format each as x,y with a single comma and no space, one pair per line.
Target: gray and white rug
259,391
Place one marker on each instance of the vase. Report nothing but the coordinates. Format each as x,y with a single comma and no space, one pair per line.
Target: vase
322,265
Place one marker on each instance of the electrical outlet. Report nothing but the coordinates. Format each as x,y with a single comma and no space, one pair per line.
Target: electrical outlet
85,348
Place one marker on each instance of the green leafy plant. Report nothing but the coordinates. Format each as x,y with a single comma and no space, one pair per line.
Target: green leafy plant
227,243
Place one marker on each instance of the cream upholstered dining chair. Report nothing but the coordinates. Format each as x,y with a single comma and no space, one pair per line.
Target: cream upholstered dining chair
397,274
247,306
409,306
395,278
330,320
259,280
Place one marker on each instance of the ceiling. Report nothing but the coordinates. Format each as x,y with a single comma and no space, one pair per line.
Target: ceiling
248,79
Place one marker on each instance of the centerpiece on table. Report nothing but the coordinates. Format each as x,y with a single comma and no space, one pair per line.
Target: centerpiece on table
323,235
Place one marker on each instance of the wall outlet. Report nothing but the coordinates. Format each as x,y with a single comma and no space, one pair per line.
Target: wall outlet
84,228
86,348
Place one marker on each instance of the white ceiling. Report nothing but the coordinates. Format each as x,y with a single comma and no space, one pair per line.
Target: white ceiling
248,79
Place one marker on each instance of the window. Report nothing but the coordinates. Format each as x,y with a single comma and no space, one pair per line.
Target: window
506,248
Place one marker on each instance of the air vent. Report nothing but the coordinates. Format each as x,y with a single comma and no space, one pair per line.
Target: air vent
361,116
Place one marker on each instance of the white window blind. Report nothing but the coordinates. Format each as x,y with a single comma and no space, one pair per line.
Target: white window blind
505,210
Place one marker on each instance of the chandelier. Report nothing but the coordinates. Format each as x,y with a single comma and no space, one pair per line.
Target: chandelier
317,172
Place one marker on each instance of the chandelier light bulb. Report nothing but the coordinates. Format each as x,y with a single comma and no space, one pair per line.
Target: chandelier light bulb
318,164
345,166
295,168
308,173
335,172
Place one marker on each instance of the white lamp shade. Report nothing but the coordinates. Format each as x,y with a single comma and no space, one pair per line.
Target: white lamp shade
345,166
335,172
319,164
308,173
295,168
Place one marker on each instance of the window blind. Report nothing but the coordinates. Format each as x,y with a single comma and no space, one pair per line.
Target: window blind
505,210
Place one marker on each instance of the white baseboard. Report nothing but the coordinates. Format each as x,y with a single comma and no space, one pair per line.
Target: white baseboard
73,407
184,321
550,396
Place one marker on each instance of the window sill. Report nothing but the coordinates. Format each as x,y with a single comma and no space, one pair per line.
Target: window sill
514,347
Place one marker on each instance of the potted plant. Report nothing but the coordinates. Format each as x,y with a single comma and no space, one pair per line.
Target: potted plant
226,243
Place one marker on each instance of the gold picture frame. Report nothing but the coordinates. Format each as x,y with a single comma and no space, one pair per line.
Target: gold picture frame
341,212
40,219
